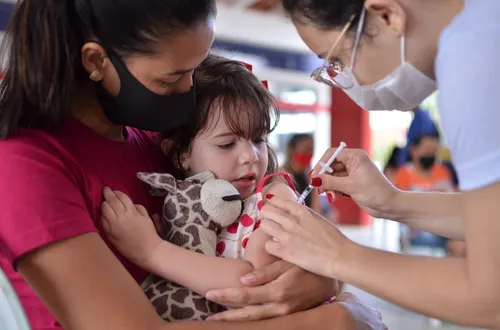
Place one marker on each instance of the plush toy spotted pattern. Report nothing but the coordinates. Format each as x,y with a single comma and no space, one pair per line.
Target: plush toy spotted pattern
194,212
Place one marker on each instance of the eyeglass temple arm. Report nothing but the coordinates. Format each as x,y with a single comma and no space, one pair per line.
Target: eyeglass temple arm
329,55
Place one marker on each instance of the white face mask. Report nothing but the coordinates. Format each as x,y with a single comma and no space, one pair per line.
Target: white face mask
404,89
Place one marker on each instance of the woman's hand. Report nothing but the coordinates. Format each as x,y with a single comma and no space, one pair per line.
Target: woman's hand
274,290
303,237
129,227
354,174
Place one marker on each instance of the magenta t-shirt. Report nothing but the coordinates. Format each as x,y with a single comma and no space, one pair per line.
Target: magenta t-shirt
51,189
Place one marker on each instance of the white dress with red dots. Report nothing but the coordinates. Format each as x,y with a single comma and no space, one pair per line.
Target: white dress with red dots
232,240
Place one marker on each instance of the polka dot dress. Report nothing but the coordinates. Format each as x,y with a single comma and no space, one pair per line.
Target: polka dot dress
232,241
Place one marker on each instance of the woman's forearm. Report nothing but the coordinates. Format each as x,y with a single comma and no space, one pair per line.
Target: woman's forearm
437,287
437,213
196,271
464,291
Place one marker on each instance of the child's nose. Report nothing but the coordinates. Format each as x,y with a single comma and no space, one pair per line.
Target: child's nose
250,155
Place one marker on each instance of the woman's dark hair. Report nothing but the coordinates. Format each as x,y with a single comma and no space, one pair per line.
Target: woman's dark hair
325,14
392,162
226,88
415,142
418,140
42,49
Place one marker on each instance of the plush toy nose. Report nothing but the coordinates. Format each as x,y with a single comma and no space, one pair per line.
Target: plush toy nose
232,198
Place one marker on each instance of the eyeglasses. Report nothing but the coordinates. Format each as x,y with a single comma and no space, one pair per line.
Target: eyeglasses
332,72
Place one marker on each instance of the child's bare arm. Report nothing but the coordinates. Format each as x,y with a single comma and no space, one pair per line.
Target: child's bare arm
255,252
198,272
132,232
202,273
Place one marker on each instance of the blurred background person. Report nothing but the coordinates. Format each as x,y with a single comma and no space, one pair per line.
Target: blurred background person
423,173
421,124
300,150
392,164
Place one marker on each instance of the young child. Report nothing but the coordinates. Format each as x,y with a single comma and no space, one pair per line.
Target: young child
228,137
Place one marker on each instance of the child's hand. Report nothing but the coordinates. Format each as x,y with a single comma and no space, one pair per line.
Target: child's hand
129,227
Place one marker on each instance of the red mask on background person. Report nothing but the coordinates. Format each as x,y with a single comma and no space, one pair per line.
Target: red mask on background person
302,159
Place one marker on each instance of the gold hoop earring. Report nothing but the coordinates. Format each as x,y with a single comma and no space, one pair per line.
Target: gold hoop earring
95,75
395,30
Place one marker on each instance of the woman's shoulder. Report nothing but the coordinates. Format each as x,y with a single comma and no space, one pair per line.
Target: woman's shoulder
29,144
465,41
467,71
33,159
41,200
486,11
29,148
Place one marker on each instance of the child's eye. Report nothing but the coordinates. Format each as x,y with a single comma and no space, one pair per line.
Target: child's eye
226,145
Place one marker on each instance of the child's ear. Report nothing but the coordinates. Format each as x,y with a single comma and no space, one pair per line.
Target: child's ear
185,161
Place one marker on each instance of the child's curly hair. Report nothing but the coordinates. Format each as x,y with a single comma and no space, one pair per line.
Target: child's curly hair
225,87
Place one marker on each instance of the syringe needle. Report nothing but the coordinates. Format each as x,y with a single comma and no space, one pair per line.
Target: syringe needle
323,170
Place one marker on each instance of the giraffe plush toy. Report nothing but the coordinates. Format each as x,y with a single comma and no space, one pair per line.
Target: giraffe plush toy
194,212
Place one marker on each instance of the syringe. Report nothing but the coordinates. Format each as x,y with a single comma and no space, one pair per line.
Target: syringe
324,169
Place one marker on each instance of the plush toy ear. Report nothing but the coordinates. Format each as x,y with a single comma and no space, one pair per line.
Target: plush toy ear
221,201
202,177
162,181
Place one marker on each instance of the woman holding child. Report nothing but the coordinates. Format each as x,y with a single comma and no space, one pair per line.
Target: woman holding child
85,82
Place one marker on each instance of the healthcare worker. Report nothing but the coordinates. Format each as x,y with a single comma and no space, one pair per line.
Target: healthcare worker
392,54
86,81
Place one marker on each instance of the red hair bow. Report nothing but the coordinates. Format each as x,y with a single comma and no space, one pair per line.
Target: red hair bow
250,68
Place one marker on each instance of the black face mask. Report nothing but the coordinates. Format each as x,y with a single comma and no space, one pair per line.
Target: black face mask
427,161
138,107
